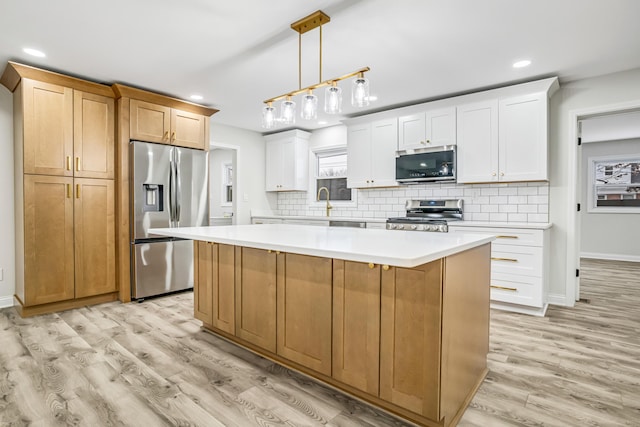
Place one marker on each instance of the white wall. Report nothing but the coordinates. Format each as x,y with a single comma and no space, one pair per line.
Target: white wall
7,224
579,95
608,235
217,159
250,174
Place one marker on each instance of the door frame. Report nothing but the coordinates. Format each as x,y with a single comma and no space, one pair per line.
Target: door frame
575,190
234,186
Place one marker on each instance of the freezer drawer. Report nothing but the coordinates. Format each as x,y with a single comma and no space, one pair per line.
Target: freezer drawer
161,267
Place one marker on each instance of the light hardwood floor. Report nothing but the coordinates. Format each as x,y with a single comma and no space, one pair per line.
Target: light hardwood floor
150,364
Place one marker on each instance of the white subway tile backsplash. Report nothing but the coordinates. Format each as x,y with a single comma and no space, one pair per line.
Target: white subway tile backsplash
512,202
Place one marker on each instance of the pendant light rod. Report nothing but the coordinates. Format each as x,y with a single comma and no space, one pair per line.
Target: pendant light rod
317,85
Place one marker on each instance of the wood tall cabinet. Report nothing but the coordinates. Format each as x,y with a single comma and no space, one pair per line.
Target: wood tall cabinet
151,117
64,188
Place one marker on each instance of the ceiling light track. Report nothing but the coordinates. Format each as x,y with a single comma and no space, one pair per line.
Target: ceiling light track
333,100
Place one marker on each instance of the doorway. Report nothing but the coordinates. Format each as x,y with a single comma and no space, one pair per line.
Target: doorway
577,201
223,174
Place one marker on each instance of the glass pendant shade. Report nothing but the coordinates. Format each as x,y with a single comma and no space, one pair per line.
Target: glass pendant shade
360,92
333,99
288,112
309,106
268,117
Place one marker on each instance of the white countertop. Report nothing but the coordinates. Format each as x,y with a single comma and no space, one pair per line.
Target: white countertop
321,218
392,247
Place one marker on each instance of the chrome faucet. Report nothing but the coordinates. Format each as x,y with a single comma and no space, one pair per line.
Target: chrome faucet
329,207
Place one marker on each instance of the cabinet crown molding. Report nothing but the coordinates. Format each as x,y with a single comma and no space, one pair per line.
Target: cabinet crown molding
297,133
123,91
15,72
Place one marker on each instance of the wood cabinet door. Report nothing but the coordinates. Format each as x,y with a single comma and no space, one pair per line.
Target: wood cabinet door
150,122
48,128
93,135
94,220
356,324
304,311
223,289
188,129
523,138
48,239
203,283
477,135
410,330
256,297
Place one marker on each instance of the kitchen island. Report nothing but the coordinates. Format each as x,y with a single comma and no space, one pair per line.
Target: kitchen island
398,319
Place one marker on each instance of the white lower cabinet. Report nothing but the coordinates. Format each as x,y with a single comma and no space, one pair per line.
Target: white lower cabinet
519,267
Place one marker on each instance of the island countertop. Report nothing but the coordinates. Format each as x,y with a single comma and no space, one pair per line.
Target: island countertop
392,247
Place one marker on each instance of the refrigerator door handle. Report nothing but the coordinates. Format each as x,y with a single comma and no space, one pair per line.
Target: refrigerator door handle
171,190
178,187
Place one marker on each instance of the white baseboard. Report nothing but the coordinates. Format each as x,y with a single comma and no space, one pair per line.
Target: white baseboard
558,299
611,257
6,301
533,311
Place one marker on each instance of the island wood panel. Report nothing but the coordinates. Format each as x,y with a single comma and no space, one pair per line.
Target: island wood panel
94,230
48,240
203,283
48,128
150,122
255,284
465,328
304,311
356,324
93,135
223,288
410,320
123,249
189,129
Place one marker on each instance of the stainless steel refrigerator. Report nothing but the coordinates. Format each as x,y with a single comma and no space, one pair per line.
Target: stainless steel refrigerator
168,189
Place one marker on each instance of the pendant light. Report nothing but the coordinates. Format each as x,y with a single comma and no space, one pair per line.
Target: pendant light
333,93
288,111
309,109
333,99
360,91
269,116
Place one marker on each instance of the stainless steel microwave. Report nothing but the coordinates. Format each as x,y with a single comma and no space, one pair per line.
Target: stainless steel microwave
436,164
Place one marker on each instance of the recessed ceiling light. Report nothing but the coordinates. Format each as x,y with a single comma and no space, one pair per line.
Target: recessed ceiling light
196,97
521,64
34,52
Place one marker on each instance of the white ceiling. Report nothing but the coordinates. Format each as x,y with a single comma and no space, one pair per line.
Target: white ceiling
239,53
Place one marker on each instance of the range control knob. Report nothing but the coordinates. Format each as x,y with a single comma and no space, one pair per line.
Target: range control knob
414,227
400,227
391,226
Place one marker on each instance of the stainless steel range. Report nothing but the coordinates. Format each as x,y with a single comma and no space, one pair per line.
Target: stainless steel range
428,215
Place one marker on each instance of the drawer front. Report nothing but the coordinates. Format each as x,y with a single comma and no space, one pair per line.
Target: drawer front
516,289
506,236
512,259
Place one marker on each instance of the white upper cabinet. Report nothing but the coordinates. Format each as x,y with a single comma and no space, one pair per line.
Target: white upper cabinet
523,138
477,154
432,128
287,161
371,149
503,141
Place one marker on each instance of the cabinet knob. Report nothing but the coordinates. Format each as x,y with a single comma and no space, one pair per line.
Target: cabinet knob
277,252
385,267
493,174
501,173
269,251
428,141
371,265
422,142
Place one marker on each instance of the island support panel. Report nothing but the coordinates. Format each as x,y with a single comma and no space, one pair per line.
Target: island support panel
413,341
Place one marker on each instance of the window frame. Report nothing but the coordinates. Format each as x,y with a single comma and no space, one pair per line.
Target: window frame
225,184
313,177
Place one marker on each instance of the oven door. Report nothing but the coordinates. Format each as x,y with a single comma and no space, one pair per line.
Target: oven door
439,165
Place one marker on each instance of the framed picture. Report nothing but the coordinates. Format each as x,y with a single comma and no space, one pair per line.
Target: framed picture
615,184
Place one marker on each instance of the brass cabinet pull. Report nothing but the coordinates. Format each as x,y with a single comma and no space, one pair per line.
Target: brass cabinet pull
173,136
504,259
77,191
277,252
371,265
78,164
269,251
385,267
506,237
166,135
68,163
68,191
504,288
